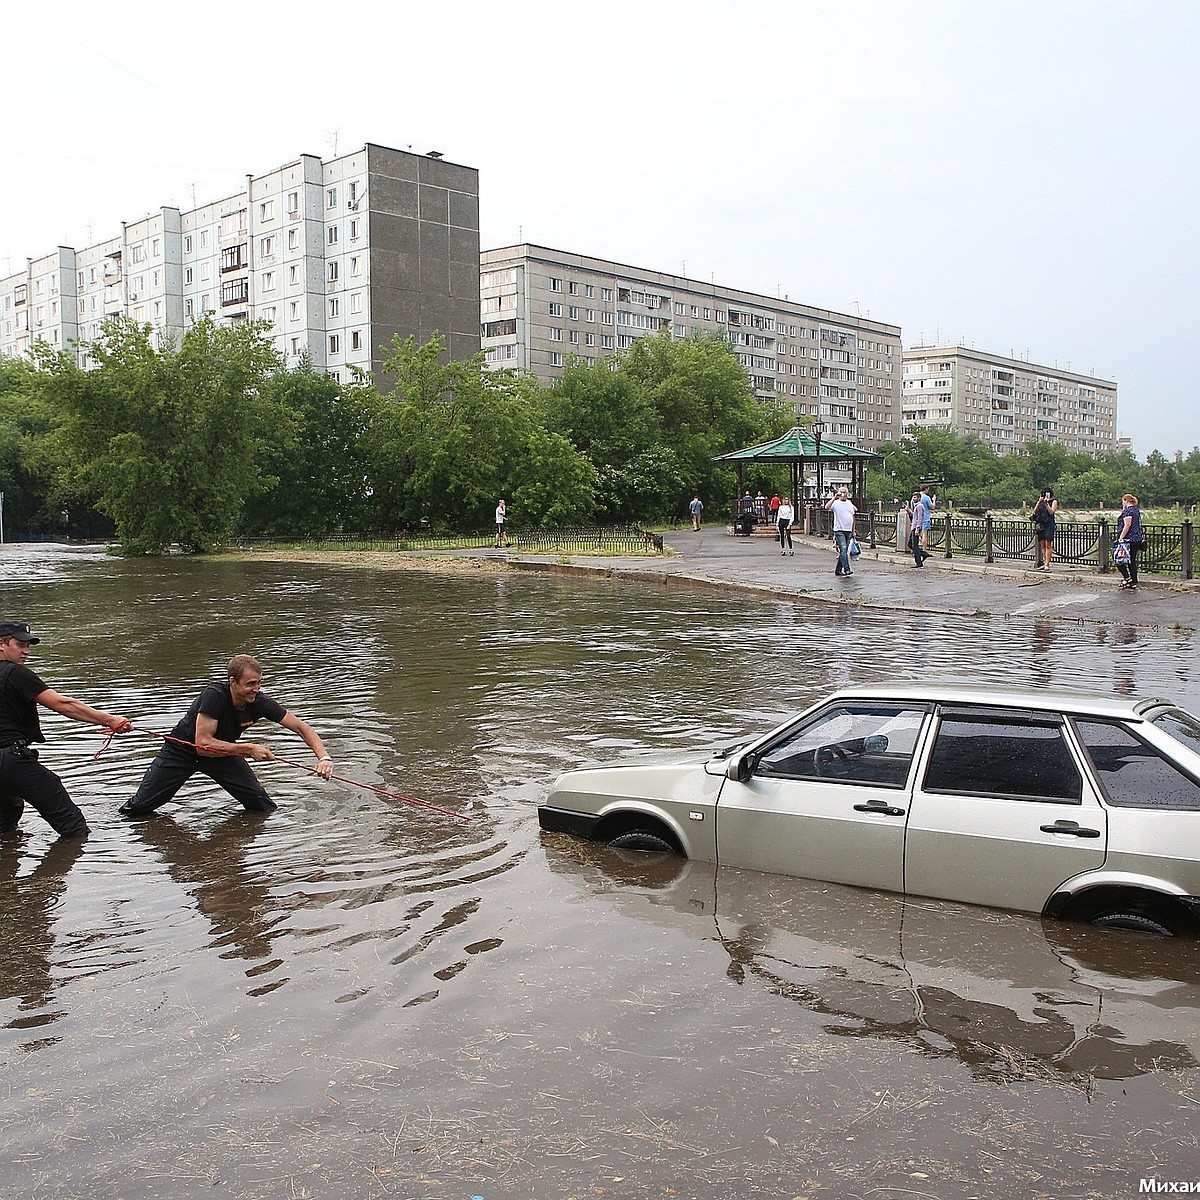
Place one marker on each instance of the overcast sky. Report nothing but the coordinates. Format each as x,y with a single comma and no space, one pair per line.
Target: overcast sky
1016,175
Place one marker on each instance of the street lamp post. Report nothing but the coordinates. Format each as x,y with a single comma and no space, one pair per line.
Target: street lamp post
818,429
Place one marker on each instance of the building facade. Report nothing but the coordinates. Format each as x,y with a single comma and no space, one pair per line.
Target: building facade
1007,403
337,256
540,307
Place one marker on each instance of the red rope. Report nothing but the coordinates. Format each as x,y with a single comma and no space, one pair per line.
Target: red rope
370,787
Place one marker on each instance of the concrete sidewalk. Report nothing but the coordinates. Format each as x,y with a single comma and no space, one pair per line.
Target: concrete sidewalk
885,579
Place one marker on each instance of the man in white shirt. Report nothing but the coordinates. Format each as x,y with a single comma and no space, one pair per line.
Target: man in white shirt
843,528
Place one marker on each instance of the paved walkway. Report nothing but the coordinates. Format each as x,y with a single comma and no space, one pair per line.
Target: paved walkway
885,579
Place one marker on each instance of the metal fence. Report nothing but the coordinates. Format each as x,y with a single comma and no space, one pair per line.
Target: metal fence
1166,549
623,539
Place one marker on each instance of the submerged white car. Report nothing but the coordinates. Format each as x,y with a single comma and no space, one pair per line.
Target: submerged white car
1072,806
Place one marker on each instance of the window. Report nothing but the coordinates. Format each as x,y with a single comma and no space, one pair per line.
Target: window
980,754
333,271
268,281
187,274
573,288
1133,774
556,335
860,744
354,230
589,339
293,274
572,312
293,238
555,310
606,295
293,204
589,291
356,302
335,305
356,340
266,246
573,337
355,264
556,285
334,343
332,235
294,310
266,210
331,198
556,359
187,246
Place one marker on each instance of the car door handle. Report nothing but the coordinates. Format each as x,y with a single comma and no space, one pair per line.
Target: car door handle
1073,830
881,810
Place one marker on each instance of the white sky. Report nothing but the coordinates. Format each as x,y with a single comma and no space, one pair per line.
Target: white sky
1018,175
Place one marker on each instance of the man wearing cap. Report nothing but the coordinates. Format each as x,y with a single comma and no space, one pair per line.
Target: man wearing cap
22,778
206,740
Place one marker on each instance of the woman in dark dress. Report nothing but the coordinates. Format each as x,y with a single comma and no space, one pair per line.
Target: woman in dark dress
1043,525
1129,529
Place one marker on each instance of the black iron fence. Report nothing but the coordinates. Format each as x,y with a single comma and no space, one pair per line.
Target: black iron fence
1166,549
622,539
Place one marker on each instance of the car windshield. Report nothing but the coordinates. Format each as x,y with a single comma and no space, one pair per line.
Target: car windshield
1182,726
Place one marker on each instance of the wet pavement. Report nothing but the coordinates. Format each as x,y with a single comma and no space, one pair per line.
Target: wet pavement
886,579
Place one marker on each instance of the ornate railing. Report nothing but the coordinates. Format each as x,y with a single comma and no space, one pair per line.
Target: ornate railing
1166,549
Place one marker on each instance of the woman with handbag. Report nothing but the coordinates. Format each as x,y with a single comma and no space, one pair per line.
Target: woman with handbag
1043,527
1129,535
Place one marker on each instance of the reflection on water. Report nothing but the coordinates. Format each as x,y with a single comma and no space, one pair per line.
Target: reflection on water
1008,996
210,970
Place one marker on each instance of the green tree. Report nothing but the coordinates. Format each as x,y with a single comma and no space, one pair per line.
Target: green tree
321,471
450,438
168,439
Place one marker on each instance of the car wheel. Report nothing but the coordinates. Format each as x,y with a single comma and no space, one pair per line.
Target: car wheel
1132,922
642,839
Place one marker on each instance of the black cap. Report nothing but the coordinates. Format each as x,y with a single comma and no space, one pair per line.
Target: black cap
19,630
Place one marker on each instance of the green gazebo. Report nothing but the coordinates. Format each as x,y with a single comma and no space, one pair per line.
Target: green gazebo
800,446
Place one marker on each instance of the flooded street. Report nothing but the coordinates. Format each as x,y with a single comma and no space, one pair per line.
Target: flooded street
356,997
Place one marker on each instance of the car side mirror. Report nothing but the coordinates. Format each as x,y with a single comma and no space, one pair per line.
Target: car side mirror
875,743
739,768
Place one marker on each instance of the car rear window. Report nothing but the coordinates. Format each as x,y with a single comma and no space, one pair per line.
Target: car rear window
990,756
1133,774
1182,726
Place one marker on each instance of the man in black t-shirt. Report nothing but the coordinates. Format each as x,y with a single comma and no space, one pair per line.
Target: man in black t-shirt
22,777
206,740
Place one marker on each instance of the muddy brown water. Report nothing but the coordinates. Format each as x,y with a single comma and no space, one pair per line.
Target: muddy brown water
355,998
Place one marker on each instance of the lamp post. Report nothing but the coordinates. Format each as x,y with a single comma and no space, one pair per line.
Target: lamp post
1,518
818,428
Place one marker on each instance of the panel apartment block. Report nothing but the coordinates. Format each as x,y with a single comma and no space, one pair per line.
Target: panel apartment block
338,257
540,307
1007,403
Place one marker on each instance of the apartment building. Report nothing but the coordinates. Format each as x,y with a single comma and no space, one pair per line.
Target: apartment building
1006,402
540,307
338,256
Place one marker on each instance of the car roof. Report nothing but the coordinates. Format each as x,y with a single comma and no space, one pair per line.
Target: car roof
990,696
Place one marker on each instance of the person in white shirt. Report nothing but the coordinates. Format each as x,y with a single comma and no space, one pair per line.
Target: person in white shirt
783,521
843,511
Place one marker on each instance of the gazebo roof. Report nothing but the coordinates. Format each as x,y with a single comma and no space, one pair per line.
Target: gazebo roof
798,445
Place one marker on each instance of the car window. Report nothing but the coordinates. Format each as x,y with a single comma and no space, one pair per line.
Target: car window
1182,726
852,744
1133,774
989,756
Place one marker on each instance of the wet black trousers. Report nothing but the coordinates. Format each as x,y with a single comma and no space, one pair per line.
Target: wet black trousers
23,780
173,767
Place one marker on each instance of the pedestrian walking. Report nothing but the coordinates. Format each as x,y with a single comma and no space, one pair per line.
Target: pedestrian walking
919,529
843,510
929,502
22,778
784,516
697,510
1129,536
206,740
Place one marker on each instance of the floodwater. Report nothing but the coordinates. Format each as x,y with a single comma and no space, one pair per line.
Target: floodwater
356,997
